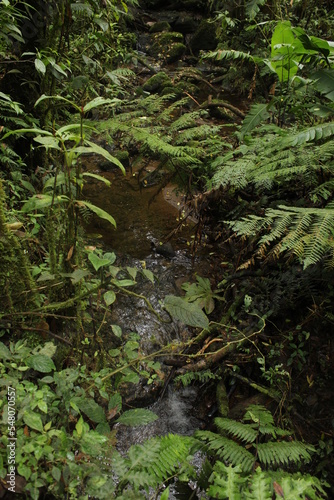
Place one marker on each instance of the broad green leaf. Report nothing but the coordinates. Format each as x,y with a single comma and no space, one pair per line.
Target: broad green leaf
124,283
40,66
165,494
97,262
33,420
98,101
186,312
4,351
57,98
28,186
90,408
41,363
48,349
40,201
138,416
109,297
131,377
132,271
148,274
94,148
117,330
42,406
28,131
47,141
97,177
324,82
56,473
24,471
98,211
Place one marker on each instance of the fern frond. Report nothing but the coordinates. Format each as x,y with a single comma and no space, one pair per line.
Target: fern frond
219,55
196,133
256,115
187,120
260,487
244,432
315,133
201,376
227,449
283,453
252,7
227,482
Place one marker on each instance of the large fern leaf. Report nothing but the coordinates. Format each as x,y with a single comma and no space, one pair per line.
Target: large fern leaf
283,453
244,432
227,449
257,114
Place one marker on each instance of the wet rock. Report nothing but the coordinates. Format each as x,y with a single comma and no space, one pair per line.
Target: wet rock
186,24
204,38
166,250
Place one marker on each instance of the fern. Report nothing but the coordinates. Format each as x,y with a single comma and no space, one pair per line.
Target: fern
238,430
307,232
283,453
226,449
226,482
219,55
256,115
252,7
200,376
153,462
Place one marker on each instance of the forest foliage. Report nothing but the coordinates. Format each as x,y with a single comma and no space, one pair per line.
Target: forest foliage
260,184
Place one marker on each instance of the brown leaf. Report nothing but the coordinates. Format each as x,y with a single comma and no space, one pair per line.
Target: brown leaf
26,431
278,489
112,412
70,253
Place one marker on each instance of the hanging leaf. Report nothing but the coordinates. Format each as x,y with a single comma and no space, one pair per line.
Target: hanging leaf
97,177
99,101
188,313
98,211
138,416
40,66
95,149
148,274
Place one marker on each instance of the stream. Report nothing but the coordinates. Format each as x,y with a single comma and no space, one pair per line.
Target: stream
145,220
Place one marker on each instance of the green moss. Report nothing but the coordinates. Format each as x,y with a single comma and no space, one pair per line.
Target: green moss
157,82
160,26
123,157
175,52
162,42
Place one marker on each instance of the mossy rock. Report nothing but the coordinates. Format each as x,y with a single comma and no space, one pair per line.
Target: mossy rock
160,26
175,52
186,24
123,157
157,82
162,42
204,38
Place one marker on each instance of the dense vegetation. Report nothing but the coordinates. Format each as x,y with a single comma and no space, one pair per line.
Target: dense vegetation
257,177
